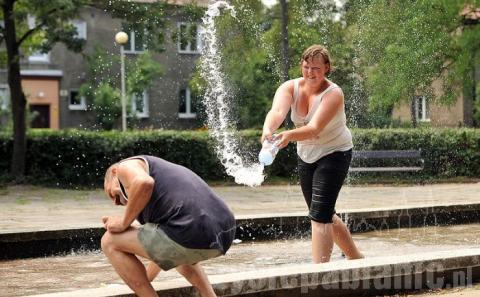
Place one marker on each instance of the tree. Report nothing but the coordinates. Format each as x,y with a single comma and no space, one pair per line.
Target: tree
102,91
254,56
285,48
248,63
52,26
406,45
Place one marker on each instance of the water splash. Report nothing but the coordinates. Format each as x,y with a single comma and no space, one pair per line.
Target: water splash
217,104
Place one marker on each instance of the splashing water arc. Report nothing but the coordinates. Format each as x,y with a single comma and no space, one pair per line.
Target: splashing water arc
216,103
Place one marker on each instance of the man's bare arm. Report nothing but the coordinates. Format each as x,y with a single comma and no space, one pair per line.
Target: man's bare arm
140,187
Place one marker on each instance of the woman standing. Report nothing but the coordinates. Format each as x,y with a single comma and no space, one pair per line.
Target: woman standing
324,147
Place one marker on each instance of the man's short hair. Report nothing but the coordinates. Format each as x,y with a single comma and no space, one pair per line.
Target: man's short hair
108,173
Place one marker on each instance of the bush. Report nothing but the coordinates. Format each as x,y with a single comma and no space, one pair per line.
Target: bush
70,158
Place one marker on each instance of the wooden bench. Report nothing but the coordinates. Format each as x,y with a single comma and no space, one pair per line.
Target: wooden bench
390,155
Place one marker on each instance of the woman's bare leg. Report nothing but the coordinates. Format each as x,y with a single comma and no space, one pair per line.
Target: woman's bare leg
322,242
344,240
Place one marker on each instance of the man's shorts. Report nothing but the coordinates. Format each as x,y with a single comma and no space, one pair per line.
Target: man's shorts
168,254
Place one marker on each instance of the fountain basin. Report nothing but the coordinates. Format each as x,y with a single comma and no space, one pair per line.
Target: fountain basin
257,227
91,270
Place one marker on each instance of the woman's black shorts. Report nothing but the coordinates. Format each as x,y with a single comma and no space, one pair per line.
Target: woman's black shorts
321,182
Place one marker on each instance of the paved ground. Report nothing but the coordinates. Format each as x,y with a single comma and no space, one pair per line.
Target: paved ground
28,208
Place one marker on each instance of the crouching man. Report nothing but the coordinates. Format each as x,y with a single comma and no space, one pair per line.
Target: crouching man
182,222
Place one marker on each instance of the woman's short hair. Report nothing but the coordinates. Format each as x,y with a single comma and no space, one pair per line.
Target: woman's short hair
316,51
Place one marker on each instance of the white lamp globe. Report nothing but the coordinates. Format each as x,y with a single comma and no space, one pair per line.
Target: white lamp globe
121,37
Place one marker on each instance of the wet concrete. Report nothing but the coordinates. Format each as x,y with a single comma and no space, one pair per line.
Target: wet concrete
91,270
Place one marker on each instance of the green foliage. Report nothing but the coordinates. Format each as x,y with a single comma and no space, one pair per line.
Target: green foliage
100,66
102,89
405,45
140,17
78,158
107,105
447,152
6,123
250,45
246,63
477,104
51,25
141,73
5,112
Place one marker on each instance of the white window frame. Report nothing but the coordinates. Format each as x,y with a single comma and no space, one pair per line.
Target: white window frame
81,106
4,104
188,106
131,39
423,101
36,57
146,112
189,50
81,27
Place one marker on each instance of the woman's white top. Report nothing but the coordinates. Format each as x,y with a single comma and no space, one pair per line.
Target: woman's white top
334,137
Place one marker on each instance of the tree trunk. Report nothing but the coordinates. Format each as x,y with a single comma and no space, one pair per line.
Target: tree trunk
413,111
285,56
17,96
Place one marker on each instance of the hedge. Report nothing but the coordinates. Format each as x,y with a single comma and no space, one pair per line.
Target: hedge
70,158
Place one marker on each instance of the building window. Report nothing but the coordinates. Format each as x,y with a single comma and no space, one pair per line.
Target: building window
187,107
81,27
421,108
4,97
76,102
189,38
140,105
36,57
136,42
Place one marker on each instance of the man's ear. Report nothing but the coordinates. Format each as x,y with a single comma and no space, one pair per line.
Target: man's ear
115,170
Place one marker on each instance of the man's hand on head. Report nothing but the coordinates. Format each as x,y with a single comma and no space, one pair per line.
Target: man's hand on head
113,224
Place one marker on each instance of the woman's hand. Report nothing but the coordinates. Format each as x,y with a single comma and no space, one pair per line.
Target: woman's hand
266,134
282,139
113,224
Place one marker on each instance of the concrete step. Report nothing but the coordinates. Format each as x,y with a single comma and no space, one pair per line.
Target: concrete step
370,276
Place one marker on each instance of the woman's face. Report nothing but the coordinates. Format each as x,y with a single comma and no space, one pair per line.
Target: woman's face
314,70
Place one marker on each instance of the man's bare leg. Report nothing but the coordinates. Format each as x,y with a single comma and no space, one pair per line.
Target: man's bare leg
198,278
121,249
322,242
152,271
344,240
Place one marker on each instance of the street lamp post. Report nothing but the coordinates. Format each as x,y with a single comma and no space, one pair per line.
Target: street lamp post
122,38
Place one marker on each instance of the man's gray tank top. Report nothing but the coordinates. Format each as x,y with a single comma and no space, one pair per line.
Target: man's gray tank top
186,209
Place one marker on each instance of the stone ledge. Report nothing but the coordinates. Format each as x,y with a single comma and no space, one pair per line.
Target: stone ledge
342,278
259,227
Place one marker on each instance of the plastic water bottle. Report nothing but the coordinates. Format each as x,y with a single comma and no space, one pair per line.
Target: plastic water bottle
268,153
